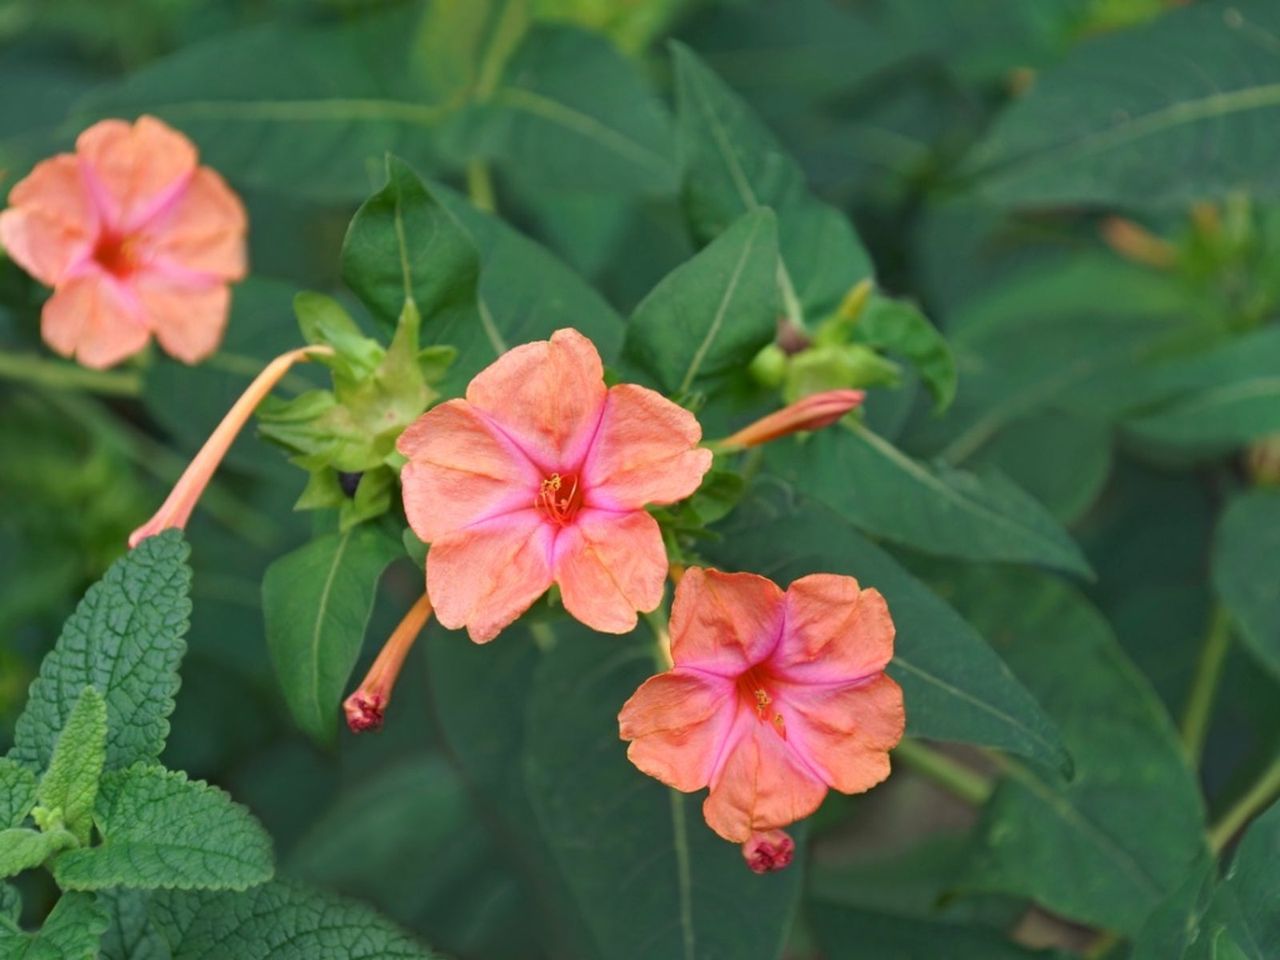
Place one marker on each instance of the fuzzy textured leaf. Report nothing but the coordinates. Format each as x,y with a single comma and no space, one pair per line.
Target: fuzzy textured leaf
70,785
17,792
70,932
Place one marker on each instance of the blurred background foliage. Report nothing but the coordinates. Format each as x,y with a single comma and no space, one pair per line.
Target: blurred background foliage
1080,193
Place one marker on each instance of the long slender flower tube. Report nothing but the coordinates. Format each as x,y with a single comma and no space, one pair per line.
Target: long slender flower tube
812,413
366,708
774,697
540,476
135,238
177,507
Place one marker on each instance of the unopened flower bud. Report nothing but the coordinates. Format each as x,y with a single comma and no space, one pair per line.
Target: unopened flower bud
769,851
812,413
1136,243
366,708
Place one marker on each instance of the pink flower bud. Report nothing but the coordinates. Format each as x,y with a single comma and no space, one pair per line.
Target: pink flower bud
812,413
365,708
769,851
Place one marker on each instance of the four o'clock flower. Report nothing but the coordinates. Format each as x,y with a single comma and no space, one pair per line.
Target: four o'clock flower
540,476
773,698
135,238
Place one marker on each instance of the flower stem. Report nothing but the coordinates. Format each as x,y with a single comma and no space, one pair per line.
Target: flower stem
954,777
1204,686
1266,789
34,369
480,186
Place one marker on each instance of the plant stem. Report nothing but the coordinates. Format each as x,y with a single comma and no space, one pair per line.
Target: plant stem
480,186
1204,685
954,777
1259,795
34,369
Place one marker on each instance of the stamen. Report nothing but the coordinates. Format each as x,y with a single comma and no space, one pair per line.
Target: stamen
557,508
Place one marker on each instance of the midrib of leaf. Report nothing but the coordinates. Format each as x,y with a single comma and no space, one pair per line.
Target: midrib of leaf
490,327
1186,111
700,355
321,609
897,457
557,113
304,111
402,243
1208,399
982,705
684,880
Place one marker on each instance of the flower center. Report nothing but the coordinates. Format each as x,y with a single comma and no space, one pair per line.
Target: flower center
559,498
117,255
754,689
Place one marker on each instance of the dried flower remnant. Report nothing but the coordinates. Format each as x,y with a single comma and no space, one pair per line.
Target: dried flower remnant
366,707
770,851
540,476
136,240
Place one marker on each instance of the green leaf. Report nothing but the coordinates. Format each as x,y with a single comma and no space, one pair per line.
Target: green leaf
464,44
649,877
275,921
403,247
908,938
1102,125
937,509
710,316
162,830
317,601
899,327
572,111
125,639
1174,924
1071,846
732,164
17,792
70,785
70,932
955,687
22,848
1246,571
1251,884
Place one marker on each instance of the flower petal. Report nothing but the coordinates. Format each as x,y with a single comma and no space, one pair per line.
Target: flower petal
485,576
845,733
459,472
760,784
188,320
677,723
547,396
51,224
136,169
609,565
644,452
724,623
204,231
835,631
93,318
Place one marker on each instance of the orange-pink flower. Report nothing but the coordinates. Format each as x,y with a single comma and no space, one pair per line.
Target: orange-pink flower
135,239
541,476
773,698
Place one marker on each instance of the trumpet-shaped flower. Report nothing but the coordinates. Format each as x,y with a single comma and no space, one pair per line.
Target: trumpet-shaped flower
773,698
134,237
540,476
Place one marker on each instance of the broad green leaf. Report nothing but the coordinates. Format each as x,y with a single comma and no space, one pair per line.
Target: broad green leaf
22,848
317,601
70,785
310,110
472,900
649,876
526,293
900,328
937,509
1201,84
126,639
403,246
275,921
1246,571
710,316
955,686
732,164
1070,845
1214,400
572,111
161,830
10,902
70,932
1253,880
837,926
17,792
1174,924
